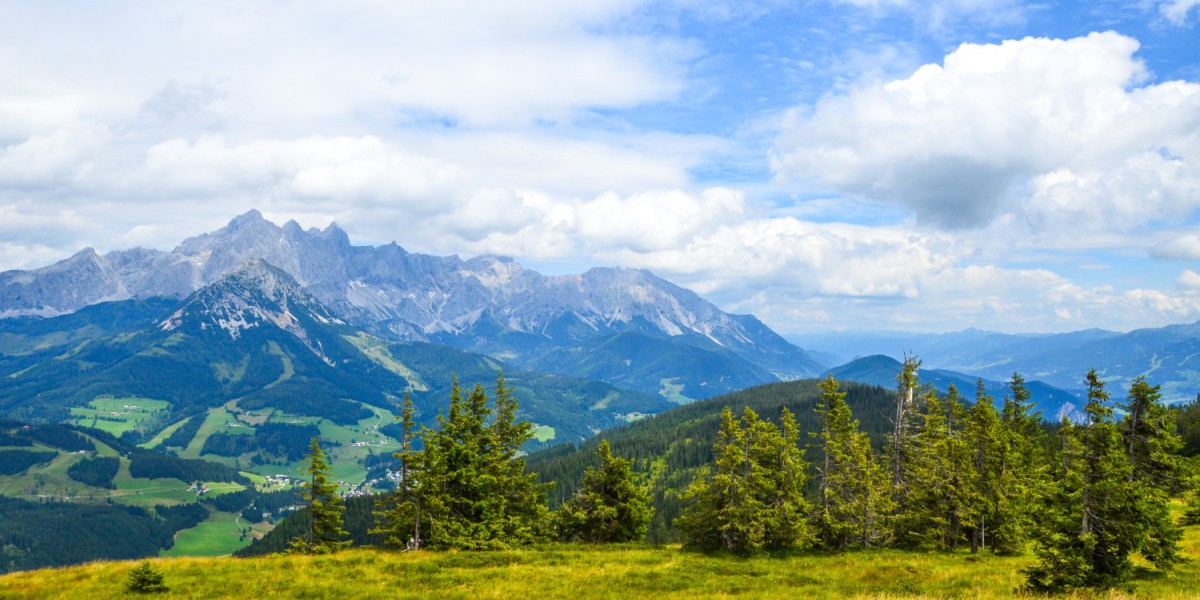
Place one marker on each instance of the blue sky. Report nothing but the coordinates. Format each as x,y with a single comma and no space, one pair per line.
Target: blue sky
827,164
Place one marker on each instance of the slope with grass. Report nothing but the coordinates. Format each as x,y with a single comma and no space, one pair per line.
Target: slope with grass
584,572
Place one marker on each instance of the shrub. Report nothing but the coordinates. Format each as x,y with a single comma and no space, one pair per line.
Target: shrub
145,579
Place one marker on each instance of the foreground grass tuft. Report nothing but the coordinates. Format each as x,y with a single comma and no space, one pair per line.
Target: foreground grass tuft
573,571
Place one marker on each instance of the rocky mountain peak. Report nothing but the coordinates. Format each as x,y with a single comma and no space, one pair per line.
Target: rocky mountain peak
255,294
473,304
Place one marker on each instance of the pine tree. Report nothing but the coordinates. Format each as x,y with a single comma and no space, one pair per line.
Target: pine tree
145,579
901,448
474,491
1152,448
751,497
779,453
1093,518
609,507
935,500
521,516
1021,470
852,492
325,507
981,492
398,514
1191,515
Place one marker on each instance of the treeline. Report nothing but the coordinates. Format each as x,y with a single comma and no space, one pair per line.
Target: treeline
16,461
670,448
275,439
1087,499
182,436
96,472
56,436
155,465
1086,495
46,534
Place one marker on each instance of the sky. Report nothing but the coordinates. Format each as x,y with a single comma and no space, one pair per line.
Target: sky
822,164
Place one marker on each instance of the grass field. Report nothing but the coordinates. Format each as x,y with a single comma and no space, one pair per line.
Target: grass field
580,572
117,415
219,535
148,492
543,433
48,480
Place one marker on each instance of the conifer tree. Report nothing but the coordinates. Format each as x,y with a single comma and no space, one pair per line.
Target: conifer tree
852,493
398,514
473,488
1191,515
520,515
609,507
145,579
1152,447
1094,516
935,500
1021,471
325,507
901,450
751,498
981,493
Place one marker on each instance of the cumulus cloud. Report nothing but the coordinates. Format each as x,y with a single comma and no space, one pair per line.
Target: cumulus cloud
467,128
1189,280
1040,127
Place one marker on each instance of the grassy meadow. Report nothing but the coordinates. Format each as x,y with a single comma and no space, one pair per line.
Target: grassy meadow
582,572
117,415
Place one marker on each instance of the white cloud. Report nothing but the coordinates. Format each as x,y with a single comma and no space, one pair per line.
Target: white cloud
1184,247
1189,280
272,63
1177,11
962,142
464,128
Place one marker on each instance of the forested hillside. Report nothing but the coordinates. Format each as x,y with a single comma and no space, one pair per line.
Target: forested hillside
73,494
667,449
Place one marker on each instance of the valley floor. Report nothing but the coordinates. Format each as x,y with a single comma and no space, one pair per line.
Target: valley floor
573,571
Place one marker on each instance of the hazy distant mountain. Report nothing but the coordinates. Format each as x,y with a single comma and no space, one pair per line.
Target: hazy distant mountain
882,370
486,304
1169,356
255,339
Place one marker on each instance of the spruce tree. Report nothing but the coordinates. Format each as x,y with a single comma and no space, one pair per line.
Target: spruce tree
473,488
901,449
935,500
609,507
852,493
398,514
145,579
1191,515
520,515
325,507
1156,471
1094,516
1021,471
751,498
982,494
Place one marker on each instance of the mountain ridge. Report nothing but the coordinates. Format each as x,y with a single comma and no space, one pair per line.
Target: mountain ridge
486,304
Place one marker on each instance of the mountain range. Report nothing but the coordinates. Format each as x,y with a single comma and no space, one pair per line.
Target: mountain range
882,371
1167,356
254,341
589,325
